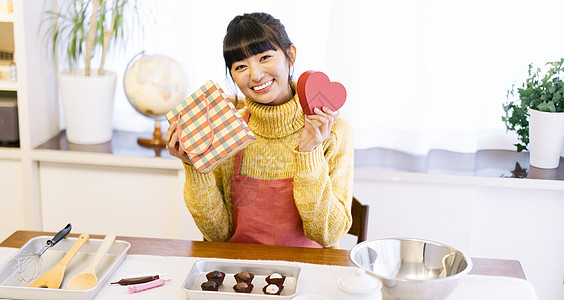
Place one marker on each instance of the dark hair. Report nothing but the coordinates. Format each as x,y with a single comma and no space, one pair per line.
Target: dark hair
251,34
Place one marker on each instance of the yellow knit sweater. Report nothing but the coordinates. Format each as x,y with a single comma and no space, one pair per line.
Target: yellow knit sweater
323,177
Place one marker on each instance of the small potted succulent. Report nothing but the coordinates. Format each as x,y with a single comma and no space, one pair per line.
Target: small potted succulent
536,114
83,32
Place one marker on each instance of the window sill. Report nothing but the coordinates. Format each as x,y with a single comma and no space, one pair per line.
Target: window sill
495,168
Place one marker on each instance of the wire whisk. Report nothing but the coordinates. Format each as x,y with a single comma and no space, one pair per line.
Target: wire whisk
27,264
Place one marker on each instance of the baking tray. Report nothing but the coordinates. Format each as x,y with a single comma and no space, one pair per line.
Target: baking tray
11,287
197,275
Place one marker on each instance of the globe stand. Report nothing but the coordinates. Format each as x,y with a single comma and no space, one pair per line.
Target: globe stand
157,142
158,82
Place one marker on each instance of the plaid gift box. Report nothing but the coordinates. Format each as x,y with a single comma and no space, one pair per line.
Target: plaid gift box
212,130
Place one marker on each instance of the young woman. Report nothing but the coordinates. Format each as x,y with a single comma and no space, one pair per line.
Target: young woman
293,185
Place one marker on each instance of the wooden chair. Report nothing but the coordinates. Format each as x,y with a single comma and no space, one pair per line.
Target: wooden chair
359,225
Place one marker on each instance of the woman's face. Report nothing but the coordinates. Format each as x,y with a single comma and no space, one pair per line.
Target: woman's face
264,77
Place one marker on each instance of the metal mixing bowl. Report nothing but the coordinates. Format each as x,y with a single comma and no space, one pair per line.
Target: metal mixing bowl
412,269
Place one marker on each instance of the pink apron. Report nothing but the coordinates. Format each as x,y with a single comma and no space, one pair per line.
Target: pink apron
264,211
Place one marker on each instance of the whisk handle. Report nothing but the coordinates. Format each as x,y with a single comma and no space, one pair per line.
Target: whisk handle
60,235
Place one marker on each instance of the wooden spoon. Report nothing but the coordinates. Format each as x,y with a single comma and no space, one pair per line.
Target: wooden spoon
87,279
53,278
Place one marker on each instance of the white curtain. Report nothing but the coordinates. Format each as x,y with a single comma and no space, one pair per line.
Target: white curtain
420,75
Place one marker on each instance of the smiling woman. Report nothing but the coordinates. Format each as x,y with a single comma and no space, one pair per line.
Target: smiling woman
420,74
292,186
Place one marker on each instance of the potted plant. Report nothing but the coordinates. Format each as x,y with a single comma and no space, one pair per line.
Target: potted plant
537,114
81,32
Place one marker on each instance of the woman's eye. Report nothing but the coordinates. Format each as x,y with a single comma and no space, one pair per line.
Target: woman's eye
265,57
239,67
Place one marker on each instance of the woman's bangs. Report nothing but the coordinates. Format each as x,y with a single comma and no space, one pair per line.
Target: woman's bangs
244,51
249,42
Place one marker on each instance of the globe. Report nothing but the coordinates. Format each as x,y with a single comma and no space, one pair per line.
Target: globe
154,84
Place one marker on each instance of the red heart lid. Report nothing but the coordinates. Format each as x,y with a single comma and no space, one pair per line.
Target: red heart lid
316,90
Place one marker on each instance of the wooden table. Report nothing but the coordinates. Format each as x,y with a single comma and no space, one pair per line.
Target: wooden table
171,247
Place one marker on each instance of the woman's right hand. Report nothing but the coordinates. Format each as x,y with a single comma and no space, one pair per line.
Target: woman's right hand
172,141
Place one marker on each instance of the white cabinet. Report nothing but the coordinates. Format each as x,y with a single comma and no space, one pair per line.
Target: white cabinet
129,200
37,113
12,213
117,186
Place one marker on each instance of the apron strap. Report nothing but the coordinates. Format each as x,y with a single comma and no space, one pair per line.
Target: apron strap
239,155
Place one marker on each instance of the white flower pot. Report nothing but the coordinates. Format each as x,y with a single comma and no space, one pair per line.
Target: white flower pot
546,136
88,105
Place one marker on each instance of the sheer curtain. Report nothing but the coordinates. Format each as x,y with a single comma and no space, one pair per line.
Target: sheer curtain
420,75
434,74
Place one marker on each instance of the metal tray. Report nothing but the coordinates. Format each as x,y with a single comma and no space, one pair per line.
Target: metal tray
197,275
11,287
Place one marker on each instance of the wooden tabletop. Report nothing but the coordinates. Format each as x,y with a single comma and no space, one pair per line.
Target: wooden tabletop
172,247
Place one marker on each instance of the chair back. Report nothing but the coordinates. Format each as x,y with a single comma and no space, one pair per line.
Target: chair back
359,225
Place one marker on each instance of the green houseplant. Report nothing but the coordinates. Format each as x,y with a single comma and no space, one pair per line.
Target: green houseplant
82,32
541,96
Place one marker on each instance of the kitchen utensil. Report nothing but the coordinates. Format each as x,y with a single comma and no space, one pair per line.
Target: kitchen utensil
412,269
87,279
11,288
27,264
53,278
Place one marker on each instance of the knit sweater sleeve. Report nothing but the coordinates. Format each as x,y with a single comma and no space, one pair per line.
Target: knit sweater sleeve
323,186
204,197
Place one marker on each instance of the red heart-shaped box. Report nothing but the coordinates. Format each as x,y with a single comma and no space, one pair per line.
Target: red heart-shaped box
316,90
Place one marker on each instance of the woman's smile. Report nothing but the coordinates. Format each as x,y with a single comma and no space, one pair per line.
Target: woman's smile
263,87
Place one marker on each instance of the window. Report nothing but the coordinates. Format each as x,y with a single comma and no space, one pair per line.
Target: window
420,75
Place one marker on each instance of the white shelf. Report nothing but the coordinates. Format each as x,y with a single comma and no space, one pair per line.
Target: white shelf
7,85
104,159
7,17
37,109
123,151
464,180
9,153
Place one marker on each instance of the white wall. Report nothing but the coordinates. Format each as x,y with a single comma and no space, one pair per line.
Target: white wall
509,221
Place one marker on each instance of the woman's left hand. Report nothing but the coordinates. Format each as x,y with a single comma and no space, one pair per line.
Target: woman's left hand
315,133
